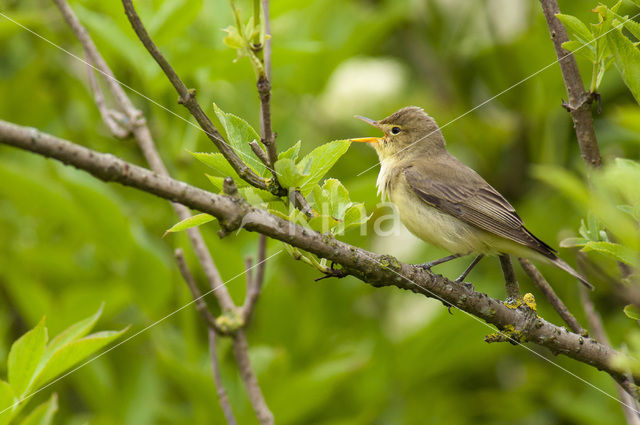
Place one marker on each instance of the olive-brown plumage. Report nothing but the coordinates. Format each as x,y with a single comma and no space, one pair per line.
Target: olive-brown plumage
444,202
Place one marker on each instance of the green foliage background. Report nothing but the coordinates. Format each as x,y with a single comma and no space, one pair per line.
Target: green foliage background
334,352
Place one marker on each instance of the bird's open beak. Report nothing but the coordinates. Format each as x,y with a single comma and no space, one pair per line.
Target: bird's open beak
367,139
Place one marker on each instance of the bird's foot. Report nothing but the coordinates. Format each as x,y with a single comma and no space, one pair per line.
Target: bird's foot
429,264
332,272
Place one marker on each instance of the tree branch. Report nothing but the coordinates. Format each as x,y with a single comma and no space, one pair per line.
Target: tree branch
145,141
579,105
188,99
377,270
551,296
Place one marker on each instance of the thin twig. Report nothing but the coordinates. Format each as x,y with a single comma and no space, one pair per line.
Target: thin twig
223,398
188,99
510,281
107,114
376,270
241,352
254,285
201,306
579,105
267,38
551,296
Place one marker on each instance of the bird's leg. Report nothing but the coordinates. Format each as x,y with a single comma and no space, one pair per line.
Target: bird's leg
428,265
463,276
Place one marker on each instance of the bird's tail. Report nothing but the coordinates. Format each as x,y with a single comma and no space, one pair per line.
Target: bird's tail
567,268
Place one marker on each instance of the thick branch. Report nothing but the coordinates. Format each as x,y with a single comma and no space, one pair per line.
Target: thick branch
579,100
188,99
551,296
377,270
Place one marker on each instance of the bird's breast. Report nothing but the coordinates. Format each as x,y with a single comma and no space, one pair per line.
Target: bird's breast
434,226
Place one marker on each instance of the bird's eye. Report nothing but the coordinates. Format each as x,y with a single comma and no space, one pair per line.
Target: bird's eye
395,130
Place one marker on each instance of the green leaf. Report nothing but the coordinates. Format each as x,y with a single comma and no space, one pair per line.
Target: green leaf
24,357
188,223
319,161
292,152
578,48
234,40
72,333
7,401
632,311
613,250
573,242
43,414
239,135
217,181
289,175
72,353
575,27
218,162
627,60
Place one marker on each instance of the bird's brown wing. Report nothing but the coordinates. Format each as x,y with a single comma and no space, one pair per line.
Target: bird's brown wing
455,189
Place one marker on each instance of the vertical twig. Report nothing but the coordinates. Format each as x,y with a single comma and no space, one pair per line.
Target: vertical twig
254,285
208,318
513,289
579,105
241,352
551,296
217,379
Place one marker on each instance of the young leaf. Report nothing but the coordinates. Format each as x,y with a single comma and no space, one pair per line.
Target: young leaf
218,162
578,48
319,161
573,242
24,357
289,175
72,333
188,223
632,312
292,152
72,353
613,250
7,399
43,414
239,135
627,60
575,27
216,181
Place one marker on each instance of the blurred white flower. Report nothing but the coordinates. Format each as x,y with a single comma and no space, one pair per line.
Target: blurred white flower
360,85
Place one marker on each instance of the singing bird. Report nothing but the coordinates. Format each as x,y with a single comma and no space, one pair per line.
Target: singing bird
444,202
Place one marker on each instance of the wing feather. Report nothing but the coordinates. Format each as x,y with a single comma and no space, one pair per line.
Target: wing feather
462,193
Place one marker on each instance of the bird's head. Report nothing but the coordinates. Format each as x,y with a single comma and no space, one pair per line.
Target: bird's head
407,131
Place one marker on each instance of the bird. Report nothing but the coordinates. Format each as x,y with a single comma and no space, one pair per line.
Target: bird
444,202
